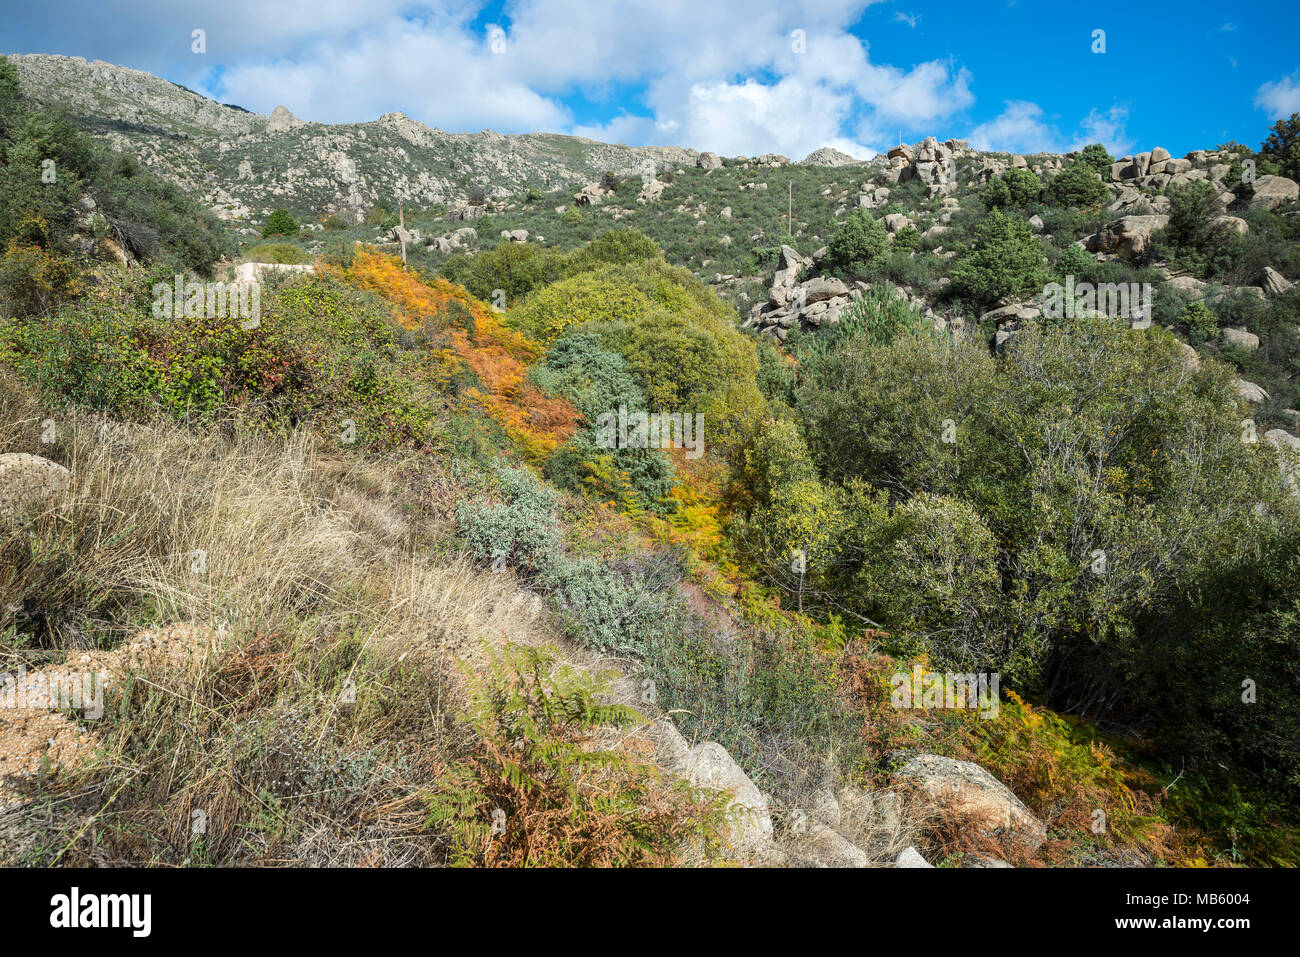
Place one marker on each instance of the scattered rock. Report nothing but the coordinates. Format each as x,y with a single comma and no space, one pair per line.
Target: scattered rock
1250,391
29,479
896,221
1189,285
1273,282
826,156
975,792
1272,191
749,836
820,846
1127,237
911,858
1239,336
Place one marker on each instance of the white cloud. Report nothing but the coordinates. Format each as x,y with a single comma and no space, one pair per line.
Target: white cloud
1018,129
911,19
1105,128
446,78
1280,98
1021,128
791,117
733,75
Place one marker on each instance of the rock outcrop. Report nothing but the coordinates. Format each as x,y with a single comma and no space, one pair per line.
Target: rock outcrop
931,162
1127,236
826,156
1273,191
27,480
971,792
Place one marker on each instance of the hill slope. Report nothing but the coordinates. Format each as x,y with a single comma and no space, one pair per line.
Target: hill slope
241,161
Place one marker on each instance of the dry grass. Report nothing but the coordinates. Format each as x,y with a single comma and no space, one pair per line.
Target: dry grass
306,729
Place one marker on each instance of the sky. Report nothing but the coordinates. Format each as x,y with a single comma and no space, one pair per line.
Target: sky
738,77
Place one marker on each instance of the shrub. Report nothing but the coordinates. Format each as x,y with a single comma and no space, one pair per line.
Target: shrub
1095,157
906,239
931,570
1200,322
598,382
1077,262
676,336
516,269
858,243
1004,261
520,531
35,281
621,607
1015,188
874,318
543,789
1078,185
1170,490
1193,239
280,223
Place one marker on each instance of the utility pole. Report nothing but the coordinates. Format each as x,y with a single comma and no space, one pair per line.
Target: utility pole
401,230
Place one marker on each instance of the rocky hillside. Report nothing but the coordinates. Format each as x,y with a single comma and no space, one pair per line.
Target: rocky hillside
244,164
951,497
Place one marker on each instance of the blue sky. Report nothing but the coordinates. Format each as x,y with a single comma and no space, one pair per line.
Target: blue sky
733,76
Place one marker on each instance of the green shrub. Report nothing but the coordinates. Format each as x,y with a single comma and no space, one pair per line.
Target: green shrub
623,606
858,243
1015,188
1005,261
521,531
1200,322
1094,156
1097,524
1077,262
876,318
516,269
597,382
931,571
906,239
1078,185
676,336
280,223
1193,239
1283,146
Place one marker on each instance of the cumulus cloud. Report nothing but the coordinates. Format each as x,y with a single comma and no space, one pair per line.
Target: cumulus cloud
728,75
1021,128
1105,128
1280,98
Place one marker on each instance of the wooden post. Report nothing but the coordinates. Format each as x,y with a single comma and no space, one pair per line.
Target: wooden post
401,230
